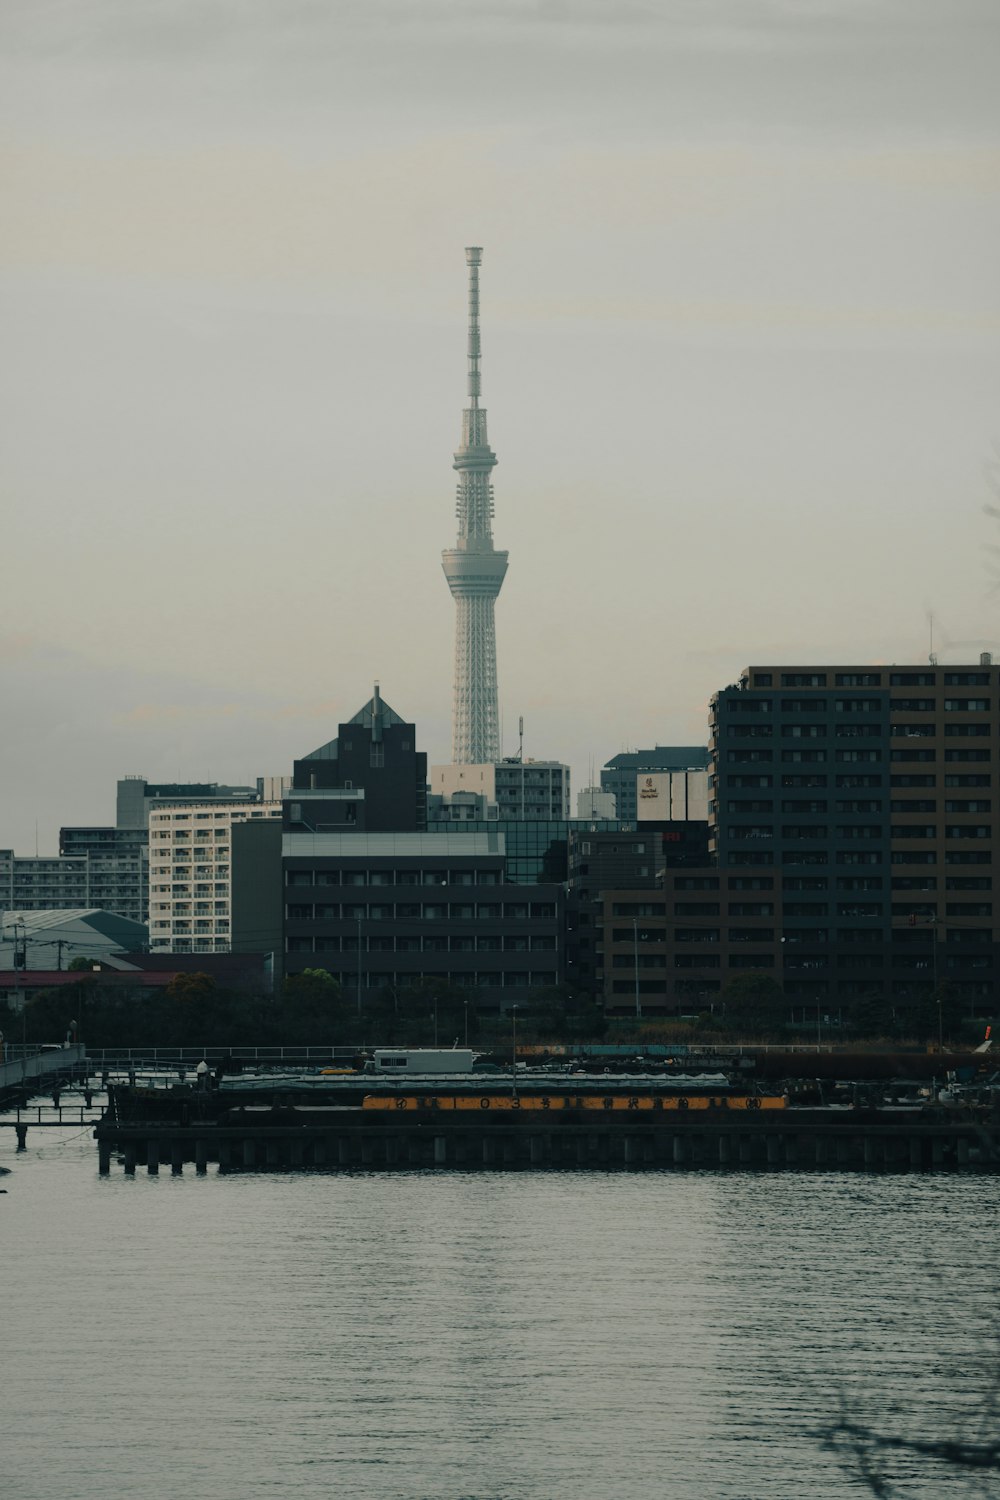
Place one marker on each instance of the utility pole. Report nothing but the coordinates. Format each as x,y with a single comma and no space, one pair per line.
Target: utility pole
22,956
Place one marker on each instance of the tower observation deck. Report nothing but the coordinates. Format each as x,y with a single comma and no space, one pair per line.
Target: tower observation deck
474,568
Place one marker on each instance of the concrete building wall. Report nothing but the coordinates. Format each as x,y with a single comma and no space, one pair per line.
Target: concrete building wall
257,914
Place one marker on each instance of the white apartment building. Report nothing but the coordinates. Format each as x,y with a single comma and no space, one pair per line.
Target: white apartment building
190,874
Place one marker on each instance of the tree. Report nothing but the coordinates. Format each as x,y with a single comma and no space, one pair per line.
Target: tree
435,1010
559,1011
192,988
972,1454
79,965
872,1016
754,1002
312,1006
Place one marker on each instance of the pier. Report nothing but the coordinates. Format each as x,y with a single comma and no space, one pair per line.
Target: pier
171,1129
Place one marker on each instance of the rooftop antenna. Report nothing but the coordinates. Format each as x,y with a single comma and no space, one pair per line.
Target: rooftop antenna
931,656
520,738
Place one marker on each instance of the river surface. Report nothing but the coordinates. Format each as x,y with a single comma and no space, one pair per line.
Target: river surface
488,1336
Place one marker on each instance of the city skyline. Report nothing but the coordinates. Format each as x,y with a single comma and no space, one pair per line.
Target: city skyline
743,324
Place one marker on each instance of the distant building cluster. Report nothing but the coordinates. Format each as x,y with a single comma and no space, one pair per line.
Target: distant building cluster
837,833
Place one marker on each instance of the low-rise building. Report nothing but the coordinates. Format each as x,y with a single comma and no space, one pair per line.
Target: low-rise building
52,939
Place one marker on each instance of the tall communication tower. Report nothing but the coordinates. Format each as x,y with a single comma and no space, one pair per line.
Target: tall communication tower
474,569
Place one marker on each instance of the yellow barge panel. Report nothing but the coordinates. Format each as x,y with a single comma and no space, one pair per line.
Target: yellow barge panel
480,1103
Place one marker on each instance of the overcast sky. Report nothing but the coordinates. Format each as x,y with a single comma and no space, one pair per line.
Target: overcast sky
741,319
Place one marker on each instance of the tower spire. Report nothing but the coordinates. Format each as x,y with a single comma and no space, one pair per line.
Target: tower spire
474,259
474,568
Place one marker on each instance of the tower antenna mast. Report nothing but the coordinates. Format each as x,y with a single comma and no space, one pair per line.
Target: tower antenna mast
473,567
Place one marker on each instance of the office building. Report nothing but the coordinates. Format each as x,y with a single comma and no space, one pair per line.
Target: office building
384,911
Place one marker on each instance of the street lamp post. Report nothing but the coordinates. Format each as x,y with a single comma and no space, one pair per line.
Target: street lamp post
513,1051
934,974
465,1005
635,959
358,920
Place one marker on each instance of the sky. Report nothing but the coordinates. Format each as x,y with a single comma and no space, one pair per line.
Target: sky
741,325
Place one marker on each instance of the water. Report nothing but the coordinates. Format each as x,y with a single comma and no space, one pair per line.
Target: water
479,1337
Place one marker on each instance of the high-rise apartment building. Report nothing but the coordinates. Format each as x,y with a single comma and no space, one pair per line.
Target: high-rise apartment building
136,796
117,867
36,883
870,792
190,874
854,825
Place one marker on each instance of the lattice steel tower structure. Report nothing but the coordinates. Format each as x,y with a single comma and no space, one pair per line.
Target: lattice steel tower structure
474,569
